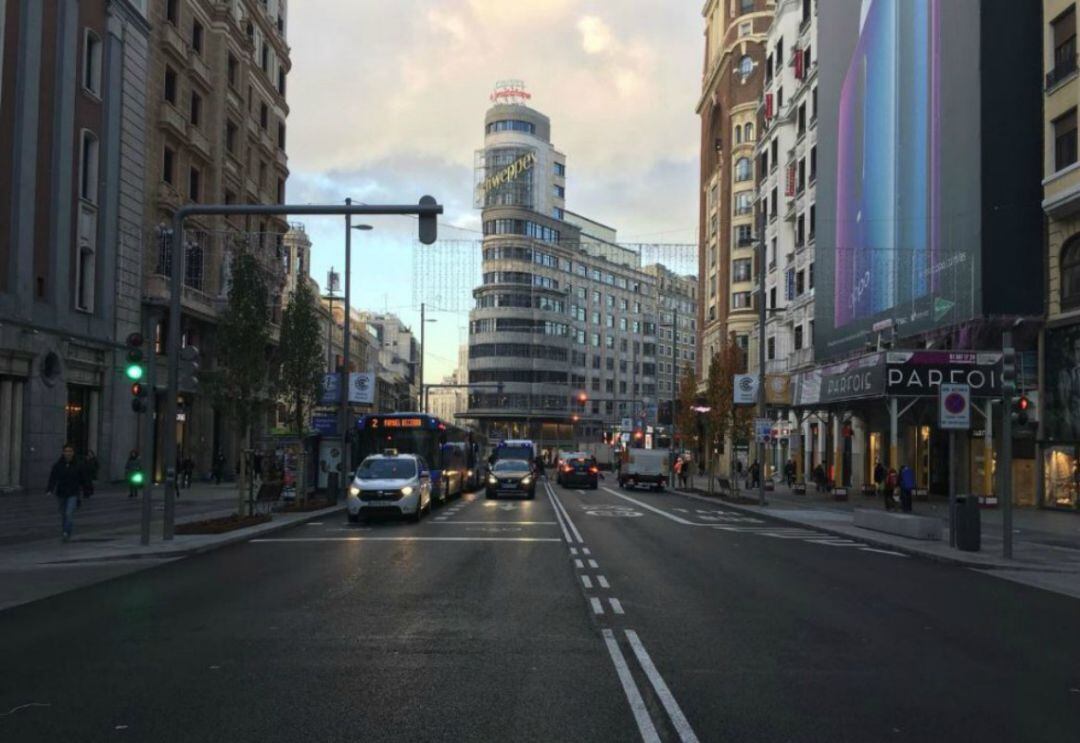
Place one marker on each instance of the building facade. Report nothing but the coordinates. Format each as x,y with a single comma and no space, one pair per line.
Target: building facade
677,314
72,124
565,319
1059,433
732,80
397,358
216,103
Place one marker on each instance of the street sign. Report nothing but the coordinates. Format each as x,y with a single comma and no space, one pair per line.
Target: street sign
627,424
954,407
762,430
325,424
362,388
330,393
746,389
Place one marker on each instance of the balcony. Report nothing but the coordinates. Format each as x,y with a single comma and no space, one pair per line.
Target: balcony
200,143
801,358
1062,70
200,69
173,43
173,120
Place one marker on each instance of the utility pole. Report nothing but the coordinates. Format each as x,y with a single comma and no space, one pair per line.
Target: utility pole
343,382
674,366
423,322
1008,386
761,350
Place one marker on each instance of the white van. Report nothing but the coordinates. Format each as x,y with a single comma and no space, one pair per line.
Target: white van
645,467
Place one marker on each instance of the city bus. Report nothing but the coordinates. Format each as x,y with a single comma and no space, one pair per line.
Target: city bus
450,452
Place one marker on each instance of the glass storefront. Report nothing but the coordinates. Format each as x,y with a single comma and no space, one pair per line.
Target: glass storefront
1062,472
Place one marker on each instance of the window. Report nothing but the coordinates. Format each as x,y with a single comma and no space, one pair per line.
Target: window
92,63
770,348
264,115
233,67
281,135
1064,32
738,134
168,166
798,337
170,11
744,169
746,6
800,231
740,300
622,323
813,163
746,67
170,85
559,191
609,341
557,212
280,191
800,283
810,275
194,178
744,202
743,341
1065,140
609,321
560,170
774,153
748,132
84,279
743,236
745,29
264,58
742,269
196,37
801,126
510,125
780,51
813,105
88,168
779,97
281,80
774,201
609,364
1070,272
230,137
196,108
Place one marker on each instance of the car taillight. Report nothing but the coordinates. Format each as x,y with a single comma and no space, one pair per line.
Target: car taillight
566,468
593,470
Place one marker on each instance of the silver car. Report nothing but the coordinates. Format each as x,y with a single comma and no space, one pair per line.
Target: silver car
390,483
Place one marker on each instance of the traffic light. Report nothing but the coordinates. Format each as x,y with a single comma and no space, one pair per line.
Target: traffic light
1021,406
136,478
582,398
1008,368
135,368
429,227
189,368
138,397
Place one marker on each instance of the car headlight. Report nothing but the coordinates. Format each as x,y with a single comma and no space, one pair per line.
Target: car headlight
407,490
469,474
526,480
492,480
354,491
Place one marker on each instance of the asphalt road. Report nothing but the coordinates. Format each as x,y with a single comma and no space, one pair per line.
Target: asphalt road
578,616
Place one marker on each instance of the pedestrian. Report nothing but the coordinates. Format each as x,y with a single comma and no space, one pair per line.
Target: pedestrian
92,466
738,471
68,482
680,472
888,487
879,476
789,472
219,467
819,478
907,485
187,467
133,465
755,475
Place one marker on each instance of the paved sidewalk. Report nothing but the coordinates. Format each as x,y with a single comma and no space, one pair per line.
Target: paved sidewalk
1046,544
31,570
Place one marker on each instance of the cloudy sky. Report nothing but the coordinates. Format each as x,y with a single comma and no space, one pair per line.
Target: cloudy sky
387,103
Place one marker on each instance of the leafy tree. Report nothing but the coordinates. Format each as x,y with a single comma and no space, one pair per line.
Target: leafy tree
242,338
684,416
301,359
725,418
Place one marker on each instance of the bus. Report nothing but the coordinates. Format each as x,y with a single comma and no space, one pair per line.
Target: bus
450,452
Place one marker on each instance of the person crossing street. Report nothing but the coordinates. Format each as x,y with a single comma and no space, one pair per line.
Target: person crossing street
68,482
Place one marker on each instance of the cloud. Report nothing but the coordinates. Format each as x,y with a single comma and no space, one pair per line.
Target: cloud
596,37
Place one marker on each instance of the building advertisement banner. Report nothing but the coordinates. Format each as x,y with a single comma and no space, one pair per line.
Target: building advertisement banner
778,389
1061,411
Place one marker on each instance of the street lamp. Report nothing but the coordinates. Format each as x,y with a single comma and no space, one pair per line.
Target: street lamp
424,320
343,385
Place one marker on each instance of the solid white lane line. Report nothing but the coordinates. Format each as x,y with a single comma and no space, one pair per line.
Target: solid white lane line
573,550
616,606
678,719
593,564
646,506
602,581
586,581
566,516
505,523
597,607
558,516
883,552
579,564
401,539
315,523
585,551
633,696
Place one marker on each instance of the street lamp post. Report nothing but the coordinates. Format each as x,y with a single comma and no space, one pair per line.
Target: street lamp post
423,323
343,385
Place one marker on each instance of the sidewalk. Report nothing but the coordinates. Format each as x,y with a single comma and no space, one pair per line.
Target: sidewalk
1046,544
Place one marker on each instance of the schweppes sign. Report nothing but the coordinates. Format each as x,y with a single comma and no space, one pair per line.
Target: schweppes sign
510,172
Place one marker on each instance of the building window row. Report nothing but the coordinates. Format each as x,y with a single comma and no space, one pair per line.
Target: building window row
520,227
517,350
521,301
521,376
511,125
519,325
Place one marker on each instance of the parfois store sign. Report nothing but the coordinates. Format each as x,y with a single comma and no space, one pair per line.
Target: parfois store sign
921,373
510,172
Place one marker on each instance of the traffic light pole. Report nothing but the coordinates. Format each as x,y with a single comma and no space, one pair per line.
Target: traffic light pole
427,209
149,426
761,352
1008,383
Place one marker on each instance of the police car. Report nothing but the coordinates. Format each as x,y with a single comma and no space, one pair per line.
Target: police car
390,483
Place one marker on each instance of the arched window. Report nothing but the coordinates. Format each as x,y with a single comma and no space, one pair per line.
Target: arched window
748,133
743,169
1070,272
738,134
746,67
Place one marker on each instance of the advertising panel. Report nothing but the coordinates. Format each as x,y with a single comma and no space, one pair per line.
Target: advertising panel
898,192
1061,413
362,388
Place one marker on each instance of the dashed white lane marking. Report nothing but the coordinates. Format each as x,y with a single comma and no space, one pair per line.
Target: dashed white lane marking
315,523
274,540
573,550
565,516
882,552
586,581
602,581
646,506
597,607
616,606
593,564
678,719
558,516
585,551
579,564
834,542
633,696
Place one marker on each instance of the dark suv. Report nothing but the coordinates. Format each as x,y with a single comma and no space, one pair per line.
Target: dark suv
580,472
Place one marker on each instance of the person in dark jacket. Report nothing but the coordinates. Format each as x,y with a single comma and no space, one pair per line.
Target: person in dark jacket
879,476
133,465
907,485
92,466
68,482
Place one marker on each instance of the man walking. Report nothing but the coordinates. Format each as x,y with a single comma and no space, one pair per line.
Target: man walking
907,485
68,482
879,476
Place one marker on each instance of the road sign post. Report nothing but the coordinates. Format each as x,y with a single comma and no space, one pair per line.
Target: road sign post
954,414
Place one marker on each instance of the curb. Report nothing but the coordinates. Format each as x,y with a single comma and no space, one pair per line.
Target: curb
872,540
240,535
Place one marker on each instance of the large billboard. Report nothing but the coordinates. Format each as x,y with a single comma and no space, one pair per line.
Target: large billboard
898,195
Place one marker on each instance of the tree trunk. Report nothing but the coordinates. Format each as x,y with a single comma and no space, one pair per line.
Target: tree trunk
242,477
301,483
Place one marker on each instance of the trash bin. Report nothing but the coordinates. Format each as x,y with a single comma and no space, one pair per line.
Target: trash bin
332,486
968,525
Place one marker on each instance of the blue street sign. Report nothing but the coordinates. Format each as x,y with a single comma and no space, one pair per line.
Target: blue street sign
324,424
331,390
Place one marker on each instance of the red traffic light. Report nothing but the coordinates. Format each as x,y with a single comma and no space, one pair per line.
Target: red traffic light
138,389
135,340
1023,403
582,397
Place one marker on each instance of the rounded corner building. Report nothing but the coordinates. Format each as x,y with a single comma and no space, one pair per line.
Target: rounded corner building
562,336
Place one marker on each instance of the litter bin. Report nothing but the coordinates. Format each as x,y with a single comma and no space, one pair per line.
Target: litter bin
968,526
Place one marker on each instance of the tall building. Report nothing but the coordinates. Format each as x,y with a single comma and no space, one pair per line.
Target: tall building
217,84
72,124
677,318
731,87
1060,413
398,354
565,320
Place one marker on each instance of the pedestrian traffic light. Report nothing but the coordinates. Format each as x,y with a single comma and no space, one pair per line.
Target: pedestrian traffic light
1020,409
135,367
136,477
189,368
138,397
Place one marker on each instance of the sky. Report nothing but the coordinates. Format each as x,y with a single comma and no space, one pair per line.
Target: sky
387,102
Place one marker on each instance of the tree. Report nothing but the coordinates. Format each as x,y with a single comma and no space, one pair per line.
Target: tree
243,337
301,362
725,418
684,417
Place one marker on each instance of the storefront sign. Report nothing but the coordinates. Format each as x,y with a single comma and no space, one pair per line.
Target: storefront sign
762,430
324,424
745,389
362,388
330,394
510,172
954,407
778,389
848,380
921,373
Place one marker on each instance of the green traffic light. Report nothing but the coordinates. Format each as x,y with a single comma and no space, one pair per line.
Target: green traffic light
136,477
134,372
